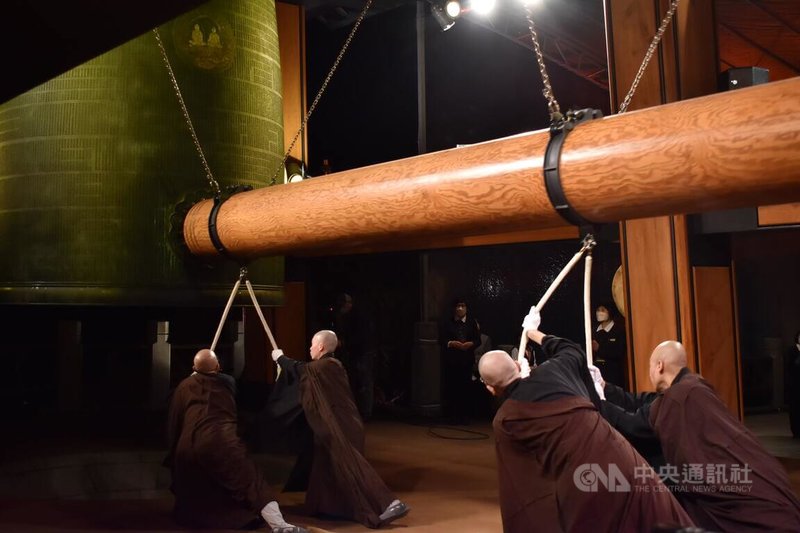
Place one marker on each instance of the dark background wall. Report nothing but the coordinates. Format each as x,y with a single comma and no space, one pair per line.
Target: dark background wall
501,283
767,266
768,285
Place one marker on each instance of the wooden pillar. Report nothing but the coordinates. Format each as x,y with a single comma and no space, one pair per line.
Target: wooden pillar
655,250
291,35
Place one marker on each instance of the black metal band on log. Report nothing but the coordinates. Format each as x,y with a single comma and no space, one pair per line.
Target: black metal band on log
212,228
552,161
734,149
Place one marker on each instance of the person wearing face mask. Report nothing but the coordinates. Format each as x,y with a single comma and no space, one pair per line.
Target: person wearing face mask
609,347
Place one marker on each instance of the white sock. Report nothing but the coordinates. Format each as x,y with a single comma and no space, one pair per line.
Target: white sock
272,514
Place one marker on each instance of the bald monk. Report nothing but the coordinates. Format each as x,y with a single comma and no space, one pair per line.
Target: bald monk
341,483
215,484
724,477
554,448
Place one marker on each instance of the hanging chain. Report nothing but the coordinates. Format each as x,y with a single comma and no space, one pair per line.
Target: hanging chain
650,51
209,175
321,90
552,103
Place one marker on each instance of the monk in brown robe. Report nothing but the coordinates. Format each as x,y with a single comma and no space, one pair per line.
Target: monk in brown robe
723,476
342,483
561,466
215,484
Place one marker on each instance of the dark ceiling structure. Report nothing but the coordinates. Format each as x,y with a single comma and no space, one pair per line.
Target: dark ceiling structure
44,38
760,33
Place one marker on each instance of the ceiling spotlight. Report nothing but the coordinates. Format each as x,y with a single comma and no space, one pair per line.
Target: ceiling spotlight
442,16
452,8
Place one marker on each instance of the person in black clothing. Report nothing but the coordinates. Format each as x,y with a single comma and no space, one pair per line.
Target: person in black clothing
459,336
629,413
609,346
356,350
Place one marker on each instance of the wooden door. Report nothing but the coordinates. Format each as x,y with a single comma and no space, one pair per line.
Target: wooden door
717,346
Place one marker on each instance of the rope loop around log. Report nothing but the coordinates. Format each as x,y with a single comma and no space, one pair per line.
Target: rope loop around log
552,157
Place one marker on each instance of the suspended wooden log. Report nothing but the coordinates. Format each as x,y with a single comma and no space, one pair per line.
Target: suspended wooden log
729,150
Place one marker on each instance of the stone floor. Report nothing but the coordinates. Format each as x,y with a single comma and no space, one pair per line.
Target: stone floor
450,483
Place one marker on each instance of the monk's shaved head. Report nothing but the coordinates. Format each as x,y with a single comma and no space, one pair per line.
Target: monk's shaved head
498,369
206,361
672,353
328,340
322,343
666,361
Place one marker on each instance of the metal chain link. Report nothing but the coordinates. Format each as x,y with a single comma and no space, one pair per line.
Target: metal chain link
552,103
650,51
321,90
209,175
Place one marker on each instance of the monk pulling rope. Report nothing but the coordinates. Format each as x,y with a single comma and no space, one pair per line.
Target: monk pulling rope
586,249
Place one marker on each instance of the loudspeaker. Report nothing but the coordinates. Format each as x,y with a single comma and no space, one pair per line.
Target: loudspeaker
736,78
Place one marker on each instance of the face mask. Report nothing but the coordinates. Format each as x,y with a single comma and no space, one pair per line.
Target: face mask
602,316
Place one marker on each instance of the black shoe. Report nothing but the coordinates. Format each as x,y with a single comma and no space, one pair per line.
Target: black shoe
394,512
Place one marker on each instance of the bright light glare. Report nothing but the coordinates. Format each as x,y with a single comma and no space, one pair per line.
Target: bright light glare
453,8
531,3
483,6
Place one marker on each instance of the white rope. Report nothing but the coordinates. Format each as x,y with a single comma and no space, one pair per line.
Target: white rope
225,313
260,314
588,244
587,306
523,341
263,323
234,292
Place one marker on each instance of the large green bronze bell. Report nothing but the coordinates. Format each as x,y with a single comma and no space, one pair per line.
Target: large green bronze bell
97,164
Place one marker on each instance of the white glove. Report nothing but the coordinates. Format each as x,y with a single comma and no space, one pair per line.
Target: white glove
532,320
524,368
597,377
599,383
600,392
276,355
